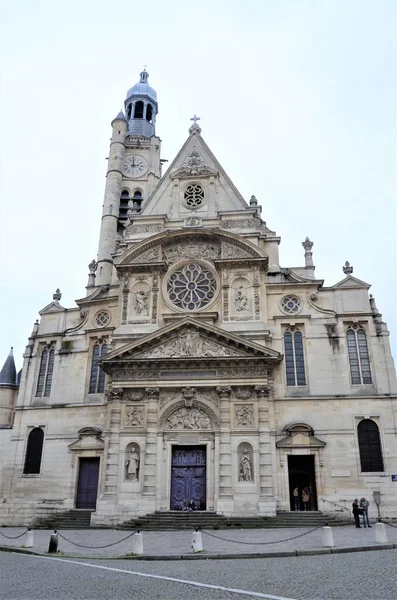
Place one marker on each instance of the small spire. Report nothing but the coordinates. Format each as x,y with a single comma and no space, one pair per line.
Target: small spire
195,128
57,296
120,117
308,245
347,269
144,75
8,374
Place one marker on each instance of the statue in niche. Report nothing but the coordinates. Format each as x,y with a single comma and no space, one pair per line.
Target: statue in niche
132,465
241,299
245,467
141,303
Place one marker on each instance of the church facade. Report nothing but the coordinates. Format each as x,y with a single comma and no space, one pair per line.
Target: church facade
196,369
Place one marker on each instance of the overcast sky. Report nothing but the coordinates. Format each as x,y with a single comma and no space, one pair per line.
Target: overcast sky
296,97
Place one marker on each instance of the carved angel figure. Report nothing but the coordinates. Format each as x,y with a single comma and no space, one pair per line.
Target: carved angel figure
141,304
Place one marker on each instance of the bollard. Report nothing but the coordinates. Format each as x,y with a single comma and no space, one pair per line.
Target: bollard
328,537
53,547
137,543
197,541
29,538
380,533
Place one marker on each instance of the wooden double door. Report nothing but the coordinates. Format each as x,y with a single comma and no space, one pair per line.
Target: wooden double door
87,485
188,476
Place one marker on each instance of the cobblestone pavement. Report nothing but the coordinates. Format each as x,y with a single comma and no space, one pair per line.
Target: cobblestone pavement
358,576
169,543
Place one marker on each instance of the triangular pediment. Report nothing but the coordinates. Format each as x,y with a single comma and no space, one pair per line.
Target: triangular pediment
300,440
351,282
87,442
53,307
190,339
195,162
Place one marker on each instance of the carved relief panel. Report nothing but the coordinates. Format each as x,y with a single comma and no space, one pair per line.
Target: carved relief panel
134,416
244,416
241,298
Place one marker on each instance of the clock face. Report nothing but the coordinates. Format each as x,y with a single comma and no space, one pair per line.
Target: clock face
134,166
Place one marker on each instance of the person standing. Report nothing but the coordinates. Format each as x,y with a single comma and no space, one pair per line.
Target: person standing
305,498
364,504
356,512
295,494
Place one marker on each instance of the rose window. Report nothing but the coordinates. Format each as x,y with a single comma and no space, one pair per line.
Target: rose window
290,304
192,287
194,195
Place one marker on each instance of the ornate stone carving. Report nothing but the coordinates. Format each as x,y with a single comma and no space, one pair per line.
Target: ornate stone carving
93,266
243,224
241,299
256,285
307,244
114,393
150,228
347,269
134,416
155,292
144,256
126,291
245,466
257,371
244,414
128,373
243,392
167,396
189,393
224,391
134,395
192,249
194,165
234,251
263,391
188,418
193,222
189,342
152,392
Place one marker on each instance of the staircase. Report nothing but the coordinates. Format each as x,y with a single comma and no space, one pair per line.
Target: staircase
168,521
72,519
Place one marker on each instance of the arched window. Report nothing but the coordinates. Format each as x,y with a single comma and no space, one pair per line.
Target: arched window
129,111
97,379
46,371
369,446
34,451
149,113
360,369
137,201
294,358
123,208
138,114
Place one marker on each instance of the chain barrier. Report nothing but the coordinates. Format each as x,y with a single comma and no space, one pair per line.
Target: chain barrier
12,537
94,547
294,537
390,524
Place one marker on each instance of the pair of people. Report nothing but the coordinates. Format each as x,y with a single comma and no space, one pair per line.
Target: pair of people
361,509
305,498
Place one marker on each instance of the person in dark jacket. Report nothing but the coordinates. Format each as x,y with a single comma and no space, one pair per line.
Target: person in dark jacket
356,512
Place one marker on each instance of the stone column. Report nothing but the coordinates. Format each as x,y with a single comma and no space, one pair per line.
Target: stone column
111,203
149,474
225,501
267,503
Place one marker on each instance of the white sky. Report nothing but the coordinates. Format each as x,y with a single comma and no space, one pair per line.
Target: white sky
296,97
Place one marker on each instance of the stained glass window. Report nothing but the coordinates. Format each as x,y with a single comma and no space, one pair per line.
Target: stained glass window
294,358
192,287
97,378
44,380
360,369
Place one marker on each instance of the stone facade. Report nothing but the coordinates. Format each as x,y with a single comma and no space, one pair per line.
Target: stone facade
193,338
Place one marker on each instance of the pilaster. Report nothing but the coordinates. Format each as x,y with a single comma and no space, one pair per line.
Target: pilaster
225,501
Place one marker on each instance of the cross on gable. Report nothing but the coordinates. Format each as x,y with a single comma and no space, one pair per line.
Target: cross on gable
195,119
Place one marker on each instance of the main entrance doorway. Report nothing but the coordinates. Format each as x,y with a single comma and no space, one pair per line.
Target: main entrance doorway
87,486
302,475
188,477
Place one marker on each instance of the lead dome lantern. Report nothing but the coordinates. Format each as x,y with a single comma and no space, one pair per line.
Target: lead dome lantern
141,108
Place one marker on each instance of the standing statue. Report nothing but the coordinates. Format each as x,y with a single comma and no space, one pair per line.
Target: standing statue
132,464
142,303
245,467
241,299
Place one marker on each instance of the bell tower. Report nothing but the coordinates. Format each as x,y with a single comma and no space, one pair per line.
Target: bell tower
134,168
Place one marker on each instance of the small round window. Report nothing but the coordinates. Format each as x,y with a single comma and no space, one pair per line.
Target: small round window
102,318
291,305
194,195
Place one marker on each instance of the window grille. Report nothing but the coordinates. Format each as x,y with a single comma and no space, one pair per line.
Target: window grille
44,380
370,446
34,450
360,368
97,378
294,358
